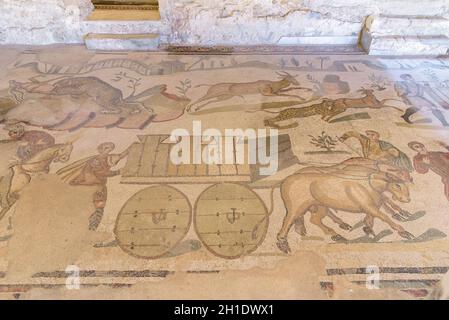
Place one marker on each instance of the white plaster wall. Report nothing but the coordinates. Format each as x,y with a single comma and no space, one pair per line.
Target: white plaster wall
266,21
42,21
212,22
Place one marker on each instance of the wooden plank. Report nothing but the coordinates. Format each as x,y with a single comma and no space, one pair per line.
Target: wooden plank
186,170
214,170
228,169
172,169
148,156
161,160
201,169
132,163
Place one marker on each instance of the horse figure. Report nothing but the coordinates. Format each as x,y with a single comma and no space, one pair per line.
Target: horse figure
19,175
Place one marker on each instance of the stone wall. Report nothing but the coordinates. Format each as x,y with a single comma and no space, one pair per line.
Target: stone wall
42,21
212,22
267,21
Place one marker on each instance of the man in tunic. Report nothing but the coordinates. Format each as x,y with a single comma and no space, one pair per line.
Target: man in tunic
95,171
417,96
435,161
382,152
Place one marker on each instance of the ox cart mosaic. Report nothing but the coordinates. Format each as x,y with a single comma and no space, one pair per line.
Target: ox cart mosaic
229,217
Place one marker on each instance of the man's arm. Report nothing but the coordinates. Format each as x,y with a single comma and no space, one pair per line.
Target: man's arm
394,152
351,134
421,164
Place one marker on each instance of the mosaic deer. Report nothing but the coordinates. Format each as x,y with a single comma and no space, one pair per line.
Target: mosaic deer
225,91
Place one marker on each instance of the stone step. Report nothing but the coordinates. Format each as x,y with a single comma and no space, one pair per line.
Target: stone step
387,25
123,42
123,27
405,35
405,45
124,22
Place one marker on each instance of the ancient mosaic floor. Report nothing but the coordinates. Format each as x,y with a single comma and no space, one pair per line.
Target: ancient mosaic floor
92,206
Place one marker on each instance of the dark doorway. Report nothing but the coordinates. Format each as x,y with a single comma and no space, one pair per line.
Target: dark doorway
126,4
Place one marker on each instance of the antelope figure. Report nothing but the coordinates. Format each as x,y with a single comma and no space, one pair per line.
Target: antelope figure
224,91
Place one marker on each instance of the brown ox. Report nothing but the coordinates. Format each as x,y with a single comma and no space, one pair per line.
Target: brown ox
319,192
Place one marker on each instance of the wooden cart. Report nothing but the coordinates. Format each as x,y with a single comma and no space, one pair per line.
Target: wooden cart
229,218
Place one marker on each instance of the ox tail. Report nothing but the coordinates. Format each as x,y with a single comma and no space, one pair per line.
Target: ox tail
256,228
277,184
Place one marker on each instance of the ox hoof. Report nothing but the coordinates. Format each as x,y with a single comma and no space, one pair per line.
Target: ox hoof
368,231
283,245
300,229
338,238
407,235
402,215
345,226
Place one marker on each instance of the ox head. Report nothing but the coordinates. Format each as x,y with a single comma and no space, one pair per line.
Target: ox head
398,188
399,191
287,76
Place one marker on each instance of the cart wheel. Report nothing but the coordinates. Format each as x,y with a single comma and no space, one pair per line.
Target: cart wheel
153,221
231,220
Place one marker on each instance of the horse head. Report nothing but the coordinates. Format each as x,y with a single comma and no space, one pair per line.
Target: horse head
63,152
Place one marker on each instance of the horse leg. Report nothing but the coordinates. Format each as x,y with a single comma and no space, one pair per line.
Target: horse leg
19,180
